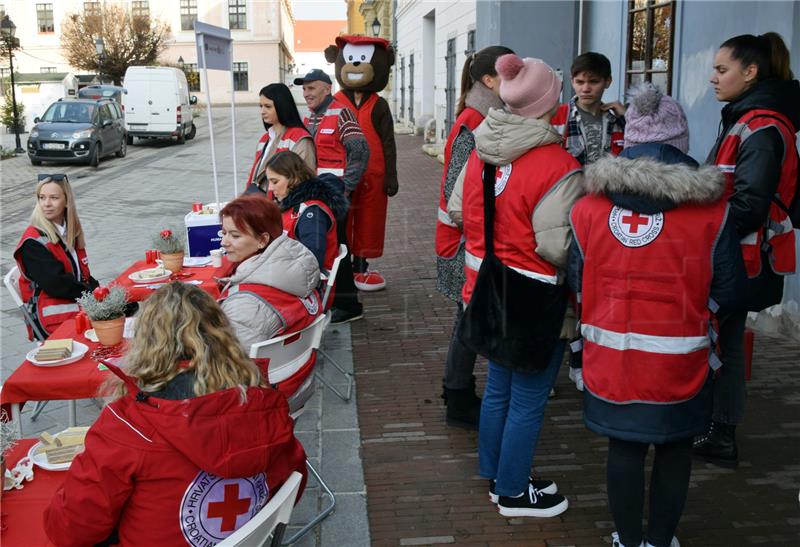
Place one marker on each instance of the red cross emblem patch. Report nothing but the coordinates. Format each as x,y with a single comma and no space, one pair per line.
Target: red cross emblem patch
213,508
634,229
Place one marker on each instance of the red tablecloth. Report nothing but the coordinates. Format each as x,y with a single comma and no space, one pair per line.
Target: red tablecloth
23,509
139,292
79,380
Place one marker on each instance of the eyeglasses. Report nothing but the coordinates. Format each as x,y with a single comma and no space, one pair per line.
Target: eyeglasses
55,177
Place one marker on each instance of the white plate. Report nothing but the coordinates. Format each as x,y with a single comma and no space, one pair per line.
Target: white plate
41,459
78,351
127,333
194,261
136,277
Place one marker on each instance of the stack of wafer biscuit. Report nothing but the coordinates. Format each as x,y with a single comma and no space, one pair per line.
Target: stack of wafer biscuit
62,447
54,350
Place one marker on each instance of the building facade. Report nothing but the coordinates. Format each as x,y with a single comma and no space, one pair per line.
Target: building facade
262,32
434,39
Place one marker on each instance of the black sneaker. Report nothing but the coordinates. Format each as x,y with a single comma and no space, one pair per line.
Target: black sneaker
339,315
545,486
532,503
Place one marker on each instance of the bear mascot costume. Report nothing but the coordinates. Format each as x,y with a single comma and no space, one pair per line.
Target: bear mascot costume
362,69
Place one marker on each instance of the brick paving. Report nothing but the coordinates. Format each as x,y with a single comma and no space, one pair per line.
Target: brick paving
421,476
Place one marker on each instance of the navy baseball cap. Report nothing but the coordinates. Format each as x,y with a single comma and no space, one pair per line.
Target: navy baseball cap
313,76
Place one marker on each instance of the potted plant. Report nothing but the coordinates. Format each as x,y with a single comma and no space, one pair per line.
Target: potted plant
8,438
105,308
171,246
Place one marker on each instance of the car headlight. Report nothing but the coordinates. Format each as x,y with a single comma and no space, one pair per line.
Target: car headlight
82,134
34,133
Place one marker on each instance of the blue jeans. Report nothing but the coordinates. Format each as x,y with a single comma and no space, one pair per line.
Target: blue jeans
511,418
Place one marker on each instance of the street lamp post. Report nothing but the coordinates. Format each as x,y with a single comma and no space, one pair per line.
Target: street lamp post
376,28
8,28
100,47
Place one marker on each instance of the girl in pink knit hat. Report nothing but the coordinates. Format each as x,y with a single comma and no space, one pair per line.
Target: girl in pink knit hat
536,183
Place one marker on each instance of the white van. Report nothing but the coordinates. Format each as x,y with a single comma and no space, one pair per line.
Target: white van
158,104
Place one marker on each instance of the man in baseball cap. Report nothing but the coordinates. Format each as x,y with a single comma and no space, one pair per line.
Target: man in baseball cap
342,150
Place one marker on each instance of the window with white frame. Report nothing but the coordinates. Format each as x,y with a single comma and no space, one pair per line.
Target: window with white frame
188,14
192,76
47,69
140,8
240,76
44,17
651,38
237,14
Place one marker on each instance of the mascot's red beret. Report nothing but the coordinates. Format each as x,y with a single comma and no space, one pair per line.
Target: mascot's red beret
349,39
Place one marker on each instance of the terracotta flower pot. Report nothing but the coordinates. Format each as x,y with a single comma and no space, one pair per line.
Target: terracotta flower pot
109,333
173,261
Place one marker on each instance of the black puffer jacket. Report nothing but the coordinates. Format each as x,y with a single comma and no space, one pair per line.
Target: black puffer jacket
758,167
313,225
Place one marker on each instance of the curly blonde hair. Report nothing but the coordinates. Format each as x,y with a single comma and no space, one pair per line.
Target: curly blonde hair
181,323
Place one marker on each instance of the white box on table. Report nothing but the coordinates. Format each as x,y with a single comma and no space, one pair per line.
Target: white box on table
203,230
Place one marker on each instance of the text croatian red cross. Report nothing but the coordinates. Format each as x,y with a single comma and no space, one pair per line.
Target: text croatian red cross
634,221
229,508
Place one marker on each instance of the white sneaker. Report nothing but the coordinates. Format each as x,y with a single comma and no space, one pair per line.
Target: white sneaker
576,375
615,536
673,543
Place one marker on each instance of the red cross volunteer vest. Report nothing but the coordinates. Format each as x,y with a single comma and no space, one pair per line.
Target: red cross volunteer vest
49,311
291,216
645,299
519,188
296,313
448,235
777,237
331,154
290,138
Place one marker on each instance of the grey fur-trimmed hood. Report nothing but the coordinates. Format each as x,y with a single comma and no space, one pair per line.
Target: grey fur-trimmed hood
648,178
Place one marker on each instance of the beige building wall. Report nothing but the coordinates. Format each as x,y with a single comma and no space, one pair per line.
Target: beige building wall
355,20
266,44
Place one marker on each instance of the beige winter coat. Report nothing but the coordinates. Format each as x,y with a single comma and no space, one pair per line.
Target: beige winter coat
502,138
287,265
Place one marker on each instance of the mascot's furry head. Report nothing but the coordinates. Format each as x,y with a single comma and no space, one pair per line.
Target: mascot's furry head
362,62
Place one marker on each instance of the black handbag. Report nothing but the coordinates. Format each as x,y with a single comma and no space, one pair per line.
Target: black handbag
512,320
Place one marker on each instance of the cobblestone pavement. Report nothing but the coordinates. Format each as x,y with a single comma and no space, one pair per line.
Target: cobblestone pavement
122,205
422,482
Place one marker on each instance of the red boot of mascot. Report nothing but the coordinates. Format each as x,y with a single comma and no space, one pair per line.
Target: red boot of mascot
362,69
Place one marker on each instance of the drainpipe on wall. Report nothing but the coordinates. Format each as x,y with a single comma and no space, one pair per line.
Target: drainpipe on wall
580,27
396,57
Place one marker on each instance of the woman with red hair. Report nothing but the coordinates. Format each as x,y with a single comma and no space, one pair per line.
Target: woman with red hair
271,280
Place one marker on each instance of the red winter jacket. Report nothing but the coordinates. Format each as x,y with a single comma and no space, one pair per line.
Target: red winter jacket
176,472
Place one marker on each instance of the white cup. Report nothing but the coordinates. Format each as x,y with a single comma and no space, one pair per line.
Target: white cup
216,257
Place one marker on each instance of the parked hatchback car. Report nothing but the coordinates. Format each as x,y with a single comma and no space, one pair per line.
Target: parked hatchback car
102,92
78,131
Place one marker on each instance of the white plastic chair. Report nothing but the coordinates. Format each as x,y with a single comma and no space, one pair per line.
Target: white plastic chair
287,354
331,279
329,284
272,519
11,281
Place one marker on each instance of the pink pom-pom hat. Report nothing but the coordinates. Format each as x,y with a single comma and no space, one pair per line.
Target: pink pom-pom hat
529,87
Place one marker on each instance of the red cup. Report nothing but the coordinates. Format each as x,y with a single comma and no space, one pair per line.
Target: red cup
149,256
197,207
81,322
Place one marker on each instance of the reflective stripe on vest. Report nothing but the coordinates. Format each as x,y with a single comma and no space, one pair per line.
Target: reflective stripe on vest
444,218
332,170
474,263
56,309
622,341
776,238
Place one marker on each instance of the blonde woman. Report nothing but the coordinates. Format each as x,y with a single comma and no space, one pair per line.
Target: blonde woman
194,444
51,255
